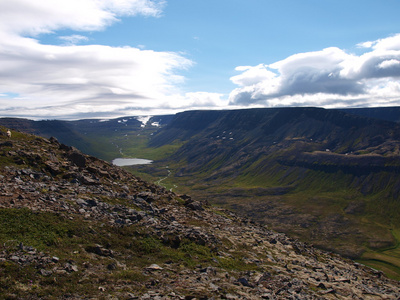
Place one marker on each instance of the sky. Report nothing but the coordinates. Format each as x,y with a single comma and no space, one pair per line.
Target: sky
75,59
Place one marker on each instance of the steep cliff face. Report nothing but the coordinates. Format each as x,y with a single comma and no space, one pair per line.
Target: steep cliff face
238,139
383,113
74,226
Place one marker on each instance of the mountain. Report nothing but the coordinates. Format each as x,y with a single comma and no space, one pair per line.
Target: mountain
101,138
250,143
74,226
325,176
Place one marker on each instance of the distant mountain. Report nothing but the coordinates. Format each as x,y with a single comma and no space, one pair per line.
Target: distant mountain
92,136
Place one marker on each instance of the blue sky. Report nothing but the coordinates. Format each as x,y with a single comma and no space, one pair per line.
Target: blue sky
71,59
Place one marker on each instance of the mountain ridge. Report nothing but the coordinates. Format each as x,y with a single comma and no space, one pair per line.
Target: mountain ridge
73,132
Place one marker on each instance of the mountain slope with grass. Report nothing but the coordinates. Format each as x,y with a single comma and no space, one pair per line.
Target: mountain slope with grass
74,226
325,176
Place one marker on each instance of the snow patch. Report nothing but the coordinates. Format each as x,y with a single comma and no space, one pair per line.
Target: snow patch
143,120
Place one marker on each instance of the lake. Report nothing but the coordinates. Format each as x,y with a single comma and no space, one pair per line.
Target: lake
121,162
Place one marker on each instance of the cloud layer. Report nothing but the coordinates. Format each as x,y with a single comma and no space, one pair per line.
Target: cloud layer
68,81
328,78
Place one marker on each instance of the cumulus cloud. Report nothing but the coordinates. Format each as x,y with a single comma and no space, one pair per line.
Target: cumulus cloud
54,81
331,77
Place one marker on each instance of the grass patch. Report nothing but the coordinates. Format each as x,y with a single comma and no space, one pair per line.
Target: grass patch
130,275
236,264
387,260
40,230
390,270
133,246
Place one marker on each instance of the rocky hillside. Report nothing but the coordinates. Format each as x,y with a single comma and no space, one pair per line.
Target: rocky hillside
73,226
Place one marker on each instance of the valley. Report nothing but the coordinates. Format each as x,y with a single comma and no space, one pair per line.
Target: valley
327,177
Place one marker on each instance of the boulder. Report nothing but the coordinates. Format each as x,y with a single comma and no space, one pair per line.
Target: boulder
100,250
77,158
194,205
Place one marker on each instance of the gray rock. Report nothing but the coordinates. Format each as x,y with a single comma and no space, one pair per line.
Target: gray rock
100,250
243,281
70,268
194,205
154,267
45,273
81,202
77,159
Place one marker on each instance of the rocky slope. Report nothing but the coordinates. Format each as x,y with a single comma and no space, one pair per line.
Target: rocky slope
76,227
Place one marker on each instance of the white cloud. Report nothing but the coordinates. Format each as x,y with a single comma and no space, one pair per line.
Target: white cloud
54,81
73,39
390,63
252,75
328,78
368,44
43,16
93,76
203,100
387,44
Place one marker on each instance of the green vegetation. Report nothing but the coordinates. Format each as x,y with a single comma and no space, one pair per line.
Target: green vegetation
131,143
387,260
40,230
74,240
354,223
